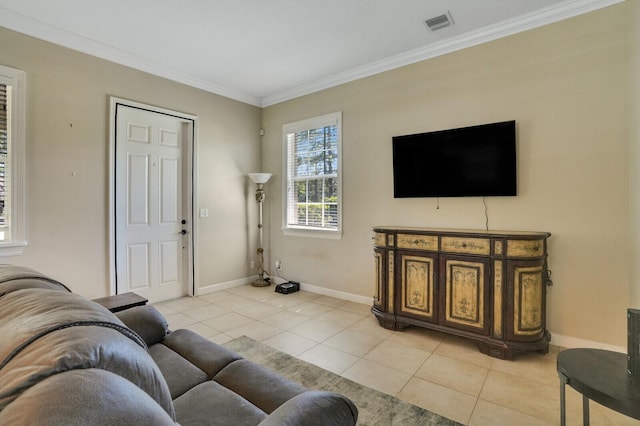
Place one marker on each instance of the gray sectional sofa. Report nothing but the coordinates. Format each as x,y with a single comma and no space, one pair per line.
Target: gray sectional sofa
67,360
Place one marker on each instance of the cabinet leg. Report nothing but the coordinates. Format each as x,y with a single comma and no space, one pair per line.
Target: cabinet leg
495,350
544,350
389,323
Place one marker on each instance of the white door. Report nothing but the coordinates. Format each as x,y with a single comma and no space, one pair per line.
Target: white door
152,213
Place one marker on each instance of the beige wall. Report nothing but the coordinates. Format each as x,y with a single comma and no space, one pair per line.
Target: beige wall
67,132
566,85
634,147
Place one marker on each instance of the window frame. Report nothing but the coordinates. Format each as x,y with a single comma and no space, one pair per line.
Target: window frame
17,80
297,126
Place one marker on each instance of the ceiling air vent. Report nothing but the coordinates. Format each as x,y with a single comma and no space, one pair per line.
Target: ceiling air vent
439,22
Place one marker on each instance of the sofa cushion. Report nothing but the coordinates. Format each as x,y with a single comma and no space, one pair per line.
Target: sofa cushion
262,387
47,332
212,404
180,374
14,277
29,313
84,397
19,284
203,353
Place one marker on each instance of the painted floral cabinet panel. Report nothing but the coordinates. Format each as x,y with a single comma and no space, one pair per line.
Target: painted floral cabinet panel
417,294
466,293
526,301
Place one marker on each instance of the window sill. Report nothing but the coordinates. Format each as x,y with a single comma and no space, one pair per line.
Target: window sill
312,233
12,248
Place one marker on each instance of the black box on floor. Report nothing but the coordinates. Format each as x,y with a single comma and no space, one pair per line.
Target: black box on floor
288,287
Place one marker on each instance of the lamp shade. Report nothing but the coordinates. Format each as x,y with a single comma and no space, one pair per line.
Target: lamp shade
260,177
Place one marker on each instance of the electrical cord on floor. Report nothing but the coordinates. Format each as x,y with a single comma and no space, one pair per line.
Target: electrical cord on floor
280,276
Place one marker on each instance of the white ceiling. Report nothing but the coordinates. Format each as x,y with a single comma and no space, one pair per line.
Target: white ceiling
266,51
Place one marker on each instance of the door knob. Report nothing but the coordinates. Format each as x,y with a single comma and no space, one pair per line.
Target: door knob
184,232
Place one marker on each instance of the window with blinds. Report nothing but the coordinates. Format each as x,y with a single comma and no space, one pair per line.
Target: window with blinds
313,186
5,207
12,135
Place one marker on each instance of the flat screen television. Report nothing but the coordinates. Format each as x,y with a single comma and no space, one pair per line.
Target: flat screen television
474,161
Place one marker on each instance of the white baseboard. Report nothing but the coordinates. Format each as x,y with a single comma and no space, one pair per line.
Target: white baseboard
276,280
556,339
574,342
337,294
224,286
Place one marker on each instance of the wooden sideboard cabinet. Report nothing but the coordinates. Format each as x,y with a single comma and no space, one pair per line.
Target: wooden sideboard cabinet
489,286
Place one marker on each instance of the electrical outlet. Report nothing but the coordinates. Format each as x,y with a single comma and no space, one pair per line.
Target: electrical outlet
279,265
204,212
252,264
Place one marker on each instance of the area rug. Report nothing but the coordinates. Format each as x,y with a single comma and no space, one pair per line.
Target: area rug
374,408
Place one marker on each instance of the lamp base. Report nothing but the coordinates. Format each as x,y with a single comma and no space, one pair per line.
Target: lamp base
260,282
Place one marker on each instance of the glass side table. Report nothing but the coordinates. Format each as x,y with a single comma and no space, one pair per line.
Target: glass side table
601,376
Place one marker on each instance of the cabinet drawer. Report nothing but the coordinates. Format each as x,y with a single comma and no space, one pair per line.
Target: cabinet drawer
380,239
525,248
466,245
421,242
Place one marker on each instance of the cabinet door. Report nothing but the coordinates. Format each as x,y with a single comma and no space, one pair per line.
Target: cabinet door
526,300
465,297
416,286
380,269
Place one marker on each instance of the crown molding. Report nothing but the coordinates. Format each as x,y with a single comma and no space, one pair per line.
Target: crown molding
38,29
565,10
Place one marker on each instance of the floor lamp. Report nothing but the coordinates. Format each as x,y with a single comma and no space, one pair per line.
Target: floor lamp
260,179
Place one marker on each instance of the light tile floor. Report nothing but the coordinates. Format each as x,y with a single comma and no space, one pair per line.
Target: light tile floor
441,373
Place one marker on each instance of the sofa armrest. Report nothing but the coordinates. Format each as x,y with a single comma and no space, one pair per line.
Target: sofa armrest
314,408
147,322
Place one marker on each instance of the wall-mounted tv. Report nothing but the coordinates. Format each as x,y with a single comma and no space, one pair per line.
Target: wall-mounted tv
472,161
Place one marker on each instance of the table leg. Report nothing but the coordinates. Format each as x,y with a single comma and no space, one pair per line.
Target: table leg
585,411
563,414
